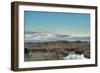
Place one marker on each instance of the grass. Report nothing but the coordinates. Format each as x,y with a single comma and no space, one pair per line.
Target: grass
39,56
54,50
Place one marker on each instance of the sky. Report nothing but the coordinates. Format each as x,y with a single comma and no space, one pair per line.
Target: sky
57,22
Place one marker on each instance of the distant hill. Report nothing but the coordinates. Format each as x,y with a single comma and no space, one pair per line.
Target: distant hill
45,37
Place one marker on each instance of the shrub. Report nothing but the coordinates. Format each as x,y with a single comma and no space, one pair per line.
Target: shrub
26,50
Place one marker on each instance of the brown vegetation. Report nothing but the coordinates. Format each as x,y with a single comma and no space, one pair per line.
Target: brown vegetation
60,47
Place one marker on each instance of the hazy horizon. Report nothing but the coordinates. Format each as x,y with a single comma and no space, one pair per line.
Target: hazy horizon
45,37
